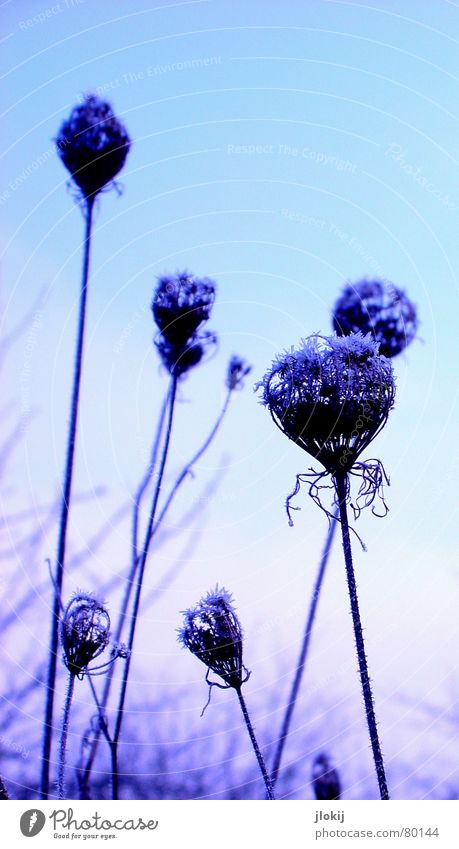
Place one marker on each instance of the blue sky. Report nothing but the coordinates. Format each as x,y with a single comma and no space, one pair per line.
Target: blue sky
281,149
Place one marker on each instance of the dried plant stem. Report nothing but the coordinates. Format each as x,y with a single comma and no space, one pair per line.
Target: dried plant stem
65,508
83,773
138,589
3,792
141,491
86,771
340,483
63,740
256,748
187,469
296,684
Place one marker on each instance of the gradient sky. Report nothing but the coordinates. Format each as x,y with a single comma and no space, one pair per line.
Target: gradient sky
282,149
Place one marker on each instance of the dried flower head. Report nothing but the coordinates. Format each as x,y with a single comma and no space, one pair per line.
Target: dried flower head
379,308
93,145
325,779
85,632
212,632
237,370
120,650
331,396
180,359
180,305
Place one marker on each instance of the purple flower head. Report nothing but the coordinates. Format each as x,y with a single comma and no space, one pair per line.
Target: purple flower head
212,632
182,302
237,370
379,308
85,632
331,396
93,145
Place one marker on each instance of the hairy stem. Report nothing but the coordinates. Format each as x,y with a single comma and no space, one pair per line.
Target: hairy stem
256,748
3,792
63,740
140,493
138,589
340,483
296,684
65,508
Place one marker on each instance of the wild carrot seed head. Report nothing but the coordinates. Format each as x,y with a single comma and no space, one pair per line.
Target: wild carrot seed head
181,303
212,632
180,359
237,370
85,632
93,145
325,779
331,396
379,308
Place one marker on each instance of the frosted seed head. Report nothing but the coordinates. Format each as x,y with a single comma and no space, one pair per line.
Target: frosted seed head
212,632
181,303
85,632
331,396
379,308
325,779
180,359
93,145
